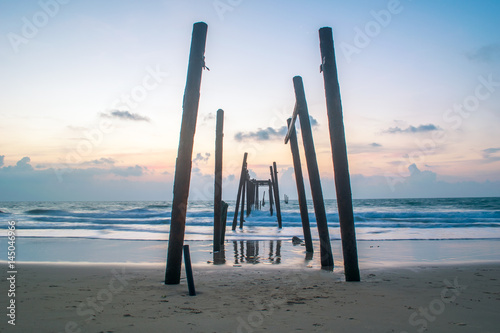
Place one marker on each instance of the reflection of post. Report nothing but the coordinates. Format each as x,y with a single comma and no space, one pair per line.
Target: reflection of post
270,196
242,251
238,196
277,195
183,164
339,154
218,180
278,252
271,250
235,248
314,178
301,192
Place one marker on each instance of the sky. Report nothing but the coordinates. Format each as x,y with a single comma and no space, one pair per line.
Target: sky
91,95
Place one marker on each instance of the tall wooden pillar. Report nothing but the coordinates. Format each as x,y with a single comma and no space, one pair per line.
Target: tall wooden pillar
183,164
339,155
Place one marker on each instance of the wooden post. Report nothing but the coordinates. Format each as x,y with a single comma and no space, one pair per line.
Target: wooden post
249,185
270,196
277,195
189,271
219,134
256,200
183,164
224,206
301,192
273,187
314,178
243,190
339,155
240,187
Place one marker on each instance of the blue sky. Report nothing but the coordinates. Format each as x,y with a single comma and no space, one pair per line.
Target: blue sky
92,94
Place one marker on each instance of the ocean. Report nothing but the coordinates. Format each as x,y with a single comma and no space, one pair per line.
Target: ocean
376,219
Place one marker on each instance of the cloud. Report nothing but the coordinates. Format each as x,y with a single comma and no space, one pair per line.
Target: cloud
201,158
22,165
209,116
313,121
134,171
491,154
375,145
125,115
413,129
101,161
486,53
266,134
419,184
1,160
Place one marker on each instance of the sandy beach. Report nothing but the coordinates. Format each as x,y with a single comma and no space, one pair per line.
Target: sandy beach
252,298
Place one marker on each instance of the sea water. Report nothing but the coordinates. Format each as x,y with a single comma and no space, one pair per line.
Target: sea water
375,219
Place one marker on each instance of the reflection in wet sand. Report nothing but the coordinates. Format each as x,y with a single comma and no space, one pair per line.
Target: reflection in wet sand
249,252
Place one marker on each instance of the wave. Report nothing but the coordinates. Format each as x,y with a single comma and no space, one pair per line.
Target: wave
41,211
374,219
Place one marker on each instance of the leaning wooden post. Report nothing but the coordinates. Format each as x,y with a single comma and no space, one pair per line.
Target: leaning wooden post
270,196
224,206
314,178
243,190
238,197
273,187
339,155
219,134
183,165
189,271
301,192
277,194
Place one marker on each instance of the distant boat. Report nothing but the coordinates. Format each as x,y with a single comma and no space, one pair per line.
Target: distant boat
286,198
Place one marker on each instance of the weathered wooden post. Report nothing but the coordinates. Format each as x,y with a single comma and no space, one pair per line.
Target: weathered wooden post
189,271
314,178
183,165
256,200
250,194
301,192
277,194
224,207
270,196
243,190
243,174
339,155
219,134
273,186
